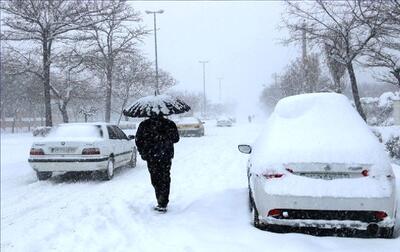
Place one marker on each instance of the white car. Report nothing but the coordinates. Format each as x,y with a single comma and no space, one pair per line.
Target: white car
224,122
318,167
82,147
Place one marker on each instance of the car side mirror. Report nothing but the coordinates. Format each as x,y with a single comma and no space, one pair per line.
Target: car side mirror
244,148
131,137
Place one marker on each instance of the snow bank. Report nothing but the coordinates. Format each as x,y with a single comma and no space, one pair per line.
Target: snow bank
321,127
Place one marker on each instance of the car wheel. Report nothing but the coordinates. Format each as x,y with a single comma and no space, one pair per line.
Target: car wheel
386,232
250,201
109,172
43,175
132,162
255,216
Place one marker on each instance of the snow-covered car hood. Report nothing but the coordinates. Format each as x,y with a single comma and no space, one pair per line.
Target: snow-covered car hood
321,127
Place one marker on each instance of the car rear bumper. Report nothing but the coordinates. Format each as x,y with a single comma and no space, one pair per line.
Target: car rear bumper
328,224
68,164
355,213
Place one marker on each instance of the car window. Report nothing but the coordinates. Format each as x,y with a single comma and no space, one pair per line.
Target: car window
120,133
111,133
100,130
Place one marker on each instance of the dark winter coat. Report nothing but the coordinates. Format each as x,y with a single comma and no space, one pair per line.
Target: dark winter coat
155,138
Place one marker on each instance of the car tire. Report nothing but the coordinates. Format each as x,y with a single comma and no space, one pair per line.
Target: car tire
109,172
43,175
255,216
386,233
132,162
254,212
250,201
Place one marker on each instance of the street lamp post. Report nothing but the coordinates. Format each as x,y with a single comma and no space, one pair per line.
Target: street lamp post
219,82
155,43
204,86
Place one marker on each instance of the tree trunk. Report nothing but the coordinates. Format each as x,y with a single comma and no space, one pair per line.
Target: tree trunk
354,90
14,122
338,86
64,113
46,82
13,125
120,114
3,117
62,106
397,76
108,94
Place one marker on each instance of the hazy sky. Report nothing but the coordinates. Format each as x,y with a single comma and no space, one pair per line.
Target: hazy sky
239,39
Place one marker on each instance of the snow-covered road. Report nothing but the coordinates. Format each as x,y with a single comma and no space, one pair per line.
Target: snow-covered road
207,212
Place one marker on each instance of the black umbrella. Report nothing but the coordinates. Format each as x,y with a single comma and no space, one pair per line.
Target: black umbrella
156,105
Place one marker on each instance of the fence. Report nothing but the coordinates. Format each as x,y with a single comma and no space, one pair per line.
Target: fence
21,123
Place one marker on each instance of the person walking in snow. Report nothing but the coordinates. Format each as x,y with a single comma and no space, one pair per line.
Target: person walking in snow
155,140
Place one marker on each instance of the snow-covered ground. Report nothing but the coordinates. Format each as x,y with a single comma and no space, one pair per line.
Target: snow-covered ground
207,212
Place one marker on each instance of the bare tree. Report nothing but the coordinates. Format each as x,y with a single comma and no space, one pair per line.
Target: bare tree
354,22
292,82
107,40
336,68
68,82
132,77
385,53
45,22
19,89
87,111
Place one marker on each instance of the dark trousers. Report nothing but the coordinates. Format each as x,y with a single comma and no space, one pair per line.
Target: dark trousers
160,179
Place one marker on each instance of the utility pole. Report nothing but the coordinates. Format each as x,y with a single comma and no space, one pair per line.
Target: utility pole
204,86
219,82
157,91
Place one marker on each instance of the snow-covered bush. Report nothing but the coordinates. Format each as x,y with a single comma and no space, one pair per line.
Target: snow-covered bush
379,110
393,147
41,131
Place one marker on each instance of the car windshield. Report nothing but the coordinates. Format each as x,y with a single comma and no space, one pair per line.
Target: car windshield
76,131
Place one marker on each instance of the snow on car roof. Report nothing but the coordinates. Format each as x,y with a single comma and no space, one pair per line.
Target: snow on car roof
188,120
320,127
223,118
75,131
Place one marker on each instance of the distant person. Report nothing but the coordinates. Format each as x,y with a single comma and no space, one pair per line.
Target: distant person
155,140
249,118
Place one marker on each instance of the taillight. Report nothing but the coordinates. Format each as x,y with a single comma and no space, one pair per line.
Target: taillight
380,215
91,151
275,213
270,176
365,173
36,151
